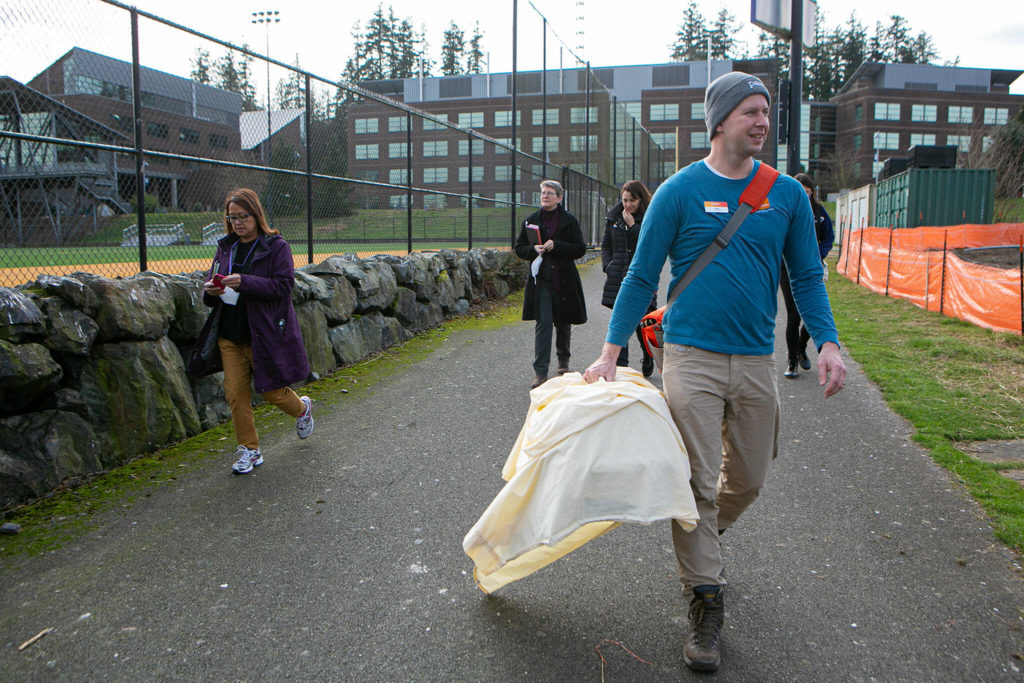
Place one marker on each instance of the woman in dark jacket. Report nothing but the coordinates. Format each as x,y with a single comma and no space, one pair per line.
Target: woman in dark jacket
554,294
251,281
797,335
622,229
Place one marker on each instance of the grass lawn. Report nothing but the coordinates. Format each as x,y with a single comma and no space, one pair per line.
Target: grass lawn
953,381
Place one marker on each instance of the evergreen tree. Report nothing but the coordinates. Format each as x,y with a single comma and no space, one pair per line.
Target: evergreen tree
291,90
691,38
453,49
201,67
475,57
386,48
723,32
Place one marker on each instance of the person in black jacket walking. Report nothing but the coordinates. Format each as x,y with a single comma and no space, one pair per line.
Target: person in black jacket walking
554,293
797,335
622,229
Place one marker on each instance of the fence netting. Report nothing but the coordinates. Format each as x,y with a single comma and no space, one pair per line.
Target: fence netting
110,166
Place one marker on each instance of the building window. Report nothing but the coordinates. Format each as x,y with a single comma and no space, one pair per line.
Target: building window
699,139
997,116
986,143
503,197
429,124
434,201
962,142
396,150
188,135
398,124
504,173
371,175
887,111
634,109
856,169
218,141
367,126
922,139
923,113
664,140
398,201
503,119
887,140
398,176
367,151
577,143
478,147
664,112
478,174
471,119
156,130
579,115
437,174
538,144
507,142
435,148
858,141
960,114
696,111
538,117
858,112
668,168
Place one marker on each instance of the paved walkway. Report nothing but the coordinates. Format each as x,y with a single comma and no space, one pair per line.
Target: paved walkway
341,559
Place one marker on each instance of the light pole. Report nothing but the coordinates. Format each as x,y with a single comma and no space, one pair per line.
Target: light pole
268,17
874,170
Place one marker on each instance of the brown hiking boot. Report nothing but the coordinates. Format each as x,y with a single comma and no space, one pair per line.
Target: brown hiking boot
707,611
538,380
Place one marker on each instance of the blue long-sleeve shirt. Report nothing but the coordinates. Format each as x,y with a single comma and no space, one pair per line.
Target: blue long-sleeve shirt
730,307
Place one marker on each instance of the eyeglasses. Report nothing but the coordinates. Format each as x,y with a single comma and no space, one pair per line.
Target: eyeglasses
237,218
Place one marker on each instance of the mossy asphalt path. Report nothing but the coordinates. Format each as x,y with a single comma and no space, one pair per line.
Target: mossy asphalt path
340,558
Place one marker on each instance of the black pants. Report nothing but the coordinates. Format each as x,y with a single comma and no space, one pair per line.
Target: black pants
542,335
797,335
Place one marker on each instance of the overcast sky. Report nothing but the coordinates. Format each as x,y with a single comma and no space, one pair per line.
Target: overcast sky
989,35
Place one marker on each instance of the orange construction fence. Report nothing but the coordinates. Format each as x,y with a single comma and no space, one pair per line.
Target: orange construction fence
918,264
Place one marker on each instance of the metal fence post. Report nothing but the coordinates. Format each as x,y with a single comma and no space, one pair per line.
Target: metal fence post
515,146
469,200
309,169
140,162
586,126
860,253
888,263
408,179
942,288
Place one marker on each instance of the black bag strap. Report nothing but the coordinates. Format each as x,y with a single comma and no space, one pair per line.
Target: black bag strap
753,197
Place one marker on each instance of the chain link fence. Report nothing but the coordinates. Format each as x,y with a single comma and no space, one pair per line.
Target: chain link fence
111,167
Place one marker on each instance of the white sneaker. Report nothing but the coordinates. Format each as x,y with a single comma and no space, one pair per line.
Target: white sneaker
247,459
304,425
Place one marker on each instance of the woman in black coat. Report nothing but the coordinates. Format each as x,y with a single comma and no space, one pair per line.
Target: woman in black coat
622,229
554,293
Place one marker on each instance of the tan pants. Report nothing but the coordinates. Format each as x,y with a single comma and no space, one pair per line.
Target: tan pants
237,360
727,410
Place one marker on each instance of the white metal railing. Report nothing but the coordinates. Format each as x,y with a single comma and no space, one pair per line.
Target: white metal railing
156,235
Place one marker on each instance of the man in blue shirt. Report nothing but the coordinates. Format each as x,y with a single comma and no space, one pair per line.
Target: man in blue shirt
719,369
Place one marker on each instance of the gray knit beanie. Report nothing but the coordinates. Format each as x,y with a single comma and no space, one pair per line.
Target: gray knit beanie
725,94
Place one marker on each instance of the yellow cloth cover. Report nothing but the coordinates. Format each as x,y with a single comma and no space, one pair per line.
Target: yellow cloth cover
589,457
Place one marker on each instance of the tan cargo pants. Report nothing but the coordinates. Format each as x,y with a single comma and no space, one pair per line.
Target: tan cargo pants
727,409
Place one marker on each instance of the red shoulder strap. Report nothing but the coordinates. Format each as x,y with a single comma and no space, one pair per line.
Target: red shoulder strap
755,193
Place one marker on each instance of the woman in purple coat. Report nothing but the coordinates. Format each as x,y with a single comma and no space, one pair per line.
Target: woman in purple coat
258,337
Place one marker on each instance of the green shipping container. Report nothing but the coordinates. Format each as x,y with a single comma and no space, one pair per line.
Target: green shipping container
935,196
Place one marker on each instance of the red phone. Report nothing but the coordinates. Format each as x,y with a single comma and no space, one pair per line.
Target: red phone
217,280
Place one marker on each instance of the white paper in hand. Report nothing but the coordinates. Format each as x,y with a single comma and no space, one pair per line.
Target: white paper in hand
230,296
535,267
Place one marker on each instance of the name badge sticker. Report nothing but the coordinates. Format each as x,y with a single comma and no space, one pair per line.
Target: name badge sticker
716,207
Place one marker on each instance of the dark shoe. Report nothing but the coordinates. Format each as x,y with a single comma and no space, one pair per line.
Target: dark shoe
791,373
538,380
804,362
562,369
647,366
707,611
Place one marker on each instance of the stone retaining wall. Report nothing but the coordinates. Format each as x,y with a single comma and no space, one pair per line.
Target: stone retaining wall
92,370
